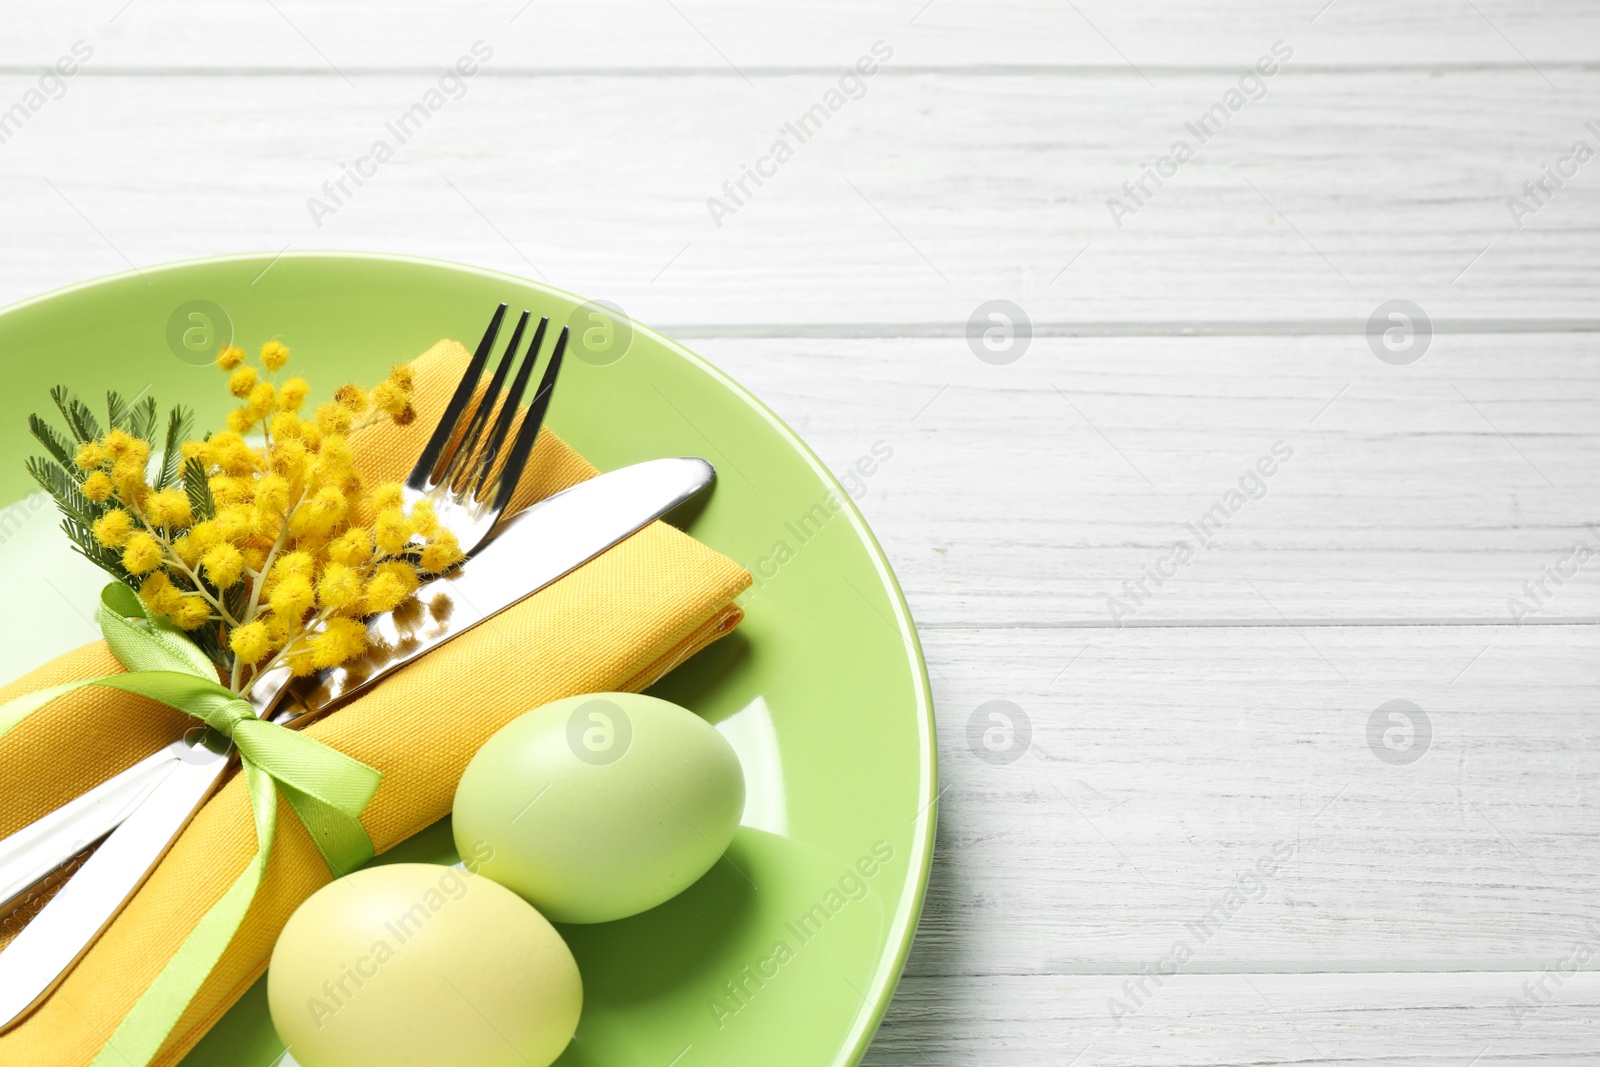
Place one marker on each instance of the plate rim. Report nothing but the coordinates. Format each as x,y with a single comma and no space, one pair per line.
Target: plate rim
903,926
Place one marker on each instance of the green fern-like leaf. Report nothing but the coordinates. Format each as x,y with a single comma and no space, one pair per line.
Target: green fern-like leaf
80,420
142,418
209,639
107,559
59,447
236,600
198,487
61,486
116,410
179,422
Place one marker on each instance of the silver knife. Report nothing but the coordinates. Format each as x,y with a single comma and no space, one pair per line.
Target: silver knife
146,807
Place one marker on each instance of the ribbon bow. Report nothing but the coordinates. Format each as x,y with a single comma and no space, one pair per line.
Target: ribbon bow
326,789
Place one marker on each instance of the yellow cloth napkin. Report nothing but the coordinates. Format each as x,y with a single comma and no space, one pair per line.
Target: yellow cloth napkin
617,623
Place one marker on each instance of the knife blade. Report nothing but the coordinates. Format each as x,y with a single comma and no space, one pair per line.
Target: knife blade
533,549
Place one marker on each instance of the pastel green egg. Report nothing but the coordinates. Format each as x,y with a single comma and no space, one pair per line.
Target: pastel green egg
601,806
414,965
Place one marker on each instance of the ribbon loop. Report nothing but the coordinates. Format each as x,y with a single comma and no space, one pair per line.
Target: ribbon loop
147,644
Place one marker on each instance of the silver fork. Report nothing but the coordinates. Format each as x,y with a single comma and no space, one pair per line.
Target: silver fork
461,472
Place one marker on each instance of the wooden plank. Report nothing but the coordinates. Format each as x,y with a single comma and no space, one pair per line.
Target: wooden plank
914,204
1028,494
1221,787
722,35
1002,504
1370,1020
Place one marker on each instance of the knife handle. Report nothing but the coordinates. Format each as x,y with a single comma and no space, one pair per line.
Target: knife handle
35,855
44,951
34,852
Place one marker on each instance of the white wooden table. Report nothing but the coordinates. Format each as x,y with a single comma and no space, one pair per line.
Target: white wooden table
1436,906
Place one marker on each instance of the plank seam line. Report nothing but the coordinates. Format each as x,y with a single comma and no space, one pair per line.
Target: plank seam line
1407,967
969,70
1265,328
1255,624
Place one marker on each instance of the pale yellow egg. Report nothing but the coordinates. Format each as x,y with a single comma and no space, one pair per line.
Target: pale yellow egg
416,965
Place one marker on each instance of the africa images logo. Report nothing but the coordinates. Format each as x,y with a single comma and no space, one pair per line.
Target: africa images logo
852,885
851,85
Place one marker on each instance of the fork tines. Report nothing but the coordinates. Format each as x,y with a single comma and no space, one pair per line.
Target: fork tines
465,450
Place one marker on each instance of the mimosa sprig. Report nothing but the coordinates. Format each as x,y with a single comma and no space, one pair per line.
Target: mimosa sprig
260,541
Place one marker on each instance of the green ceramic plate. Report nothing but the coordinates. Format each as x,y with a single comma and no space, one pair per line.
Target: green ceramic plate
789,950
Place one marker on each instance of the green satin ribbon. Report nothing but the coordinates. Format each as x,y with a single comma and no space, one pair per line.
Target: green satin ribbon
326,789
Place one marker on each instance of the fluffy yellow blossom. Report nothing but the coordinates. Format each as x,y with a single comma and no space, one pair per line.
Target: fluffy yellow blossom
292,460
300,661
251,642
232,455
293,565
352,398
285,427
266,523
159,594
335,453
331,499
142,554
352,548
241,381
339,587
206,535
388,496
441,553
294,393
392,583
390,531
233,522
228,489
394,395
230,358
224,565
169,507
188,551
117,444
319,516
343,639
424,521
113,528
274,354
262,398
89,455
279,630
191,611
389,398
292,597
334,418
129,478
97,487
272,494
